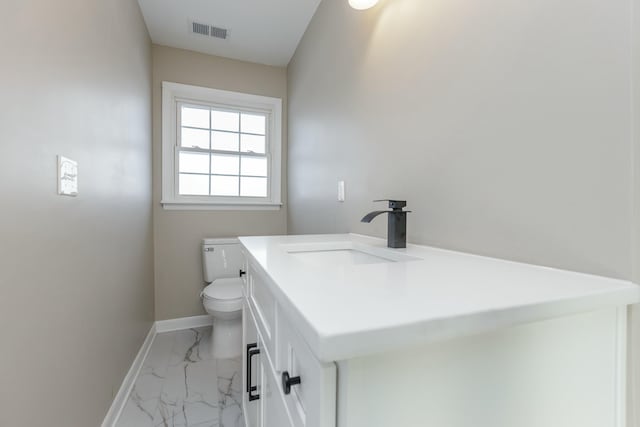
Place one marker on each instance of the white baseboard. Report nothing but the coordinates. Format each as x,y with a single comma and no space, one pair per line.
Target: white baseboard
129,380
183,323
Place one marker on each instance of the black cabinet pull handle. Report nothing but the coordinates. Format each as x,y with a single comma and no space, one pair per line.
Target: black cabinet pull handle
249,347
252,388
288,382
241,273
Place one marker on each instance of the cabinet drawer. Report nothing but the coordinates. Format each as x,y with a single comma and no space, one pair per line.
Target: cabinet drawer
312,402
263,305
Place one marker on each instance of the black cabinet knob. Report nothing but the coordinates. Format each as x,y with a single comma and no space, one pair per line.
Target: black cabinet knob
242,273
288,381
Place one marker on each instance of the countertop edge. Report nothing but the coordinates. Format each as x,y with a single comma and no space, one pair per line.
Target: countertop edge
341,346
344,346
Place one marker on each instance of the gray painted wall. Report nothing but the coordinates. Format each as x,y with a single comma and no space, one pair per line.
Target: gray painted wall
178,234
504,124
633,407
76,274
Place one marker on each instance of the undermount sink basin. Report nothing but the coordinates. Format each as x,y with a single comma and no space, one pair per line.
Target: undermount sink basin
345,253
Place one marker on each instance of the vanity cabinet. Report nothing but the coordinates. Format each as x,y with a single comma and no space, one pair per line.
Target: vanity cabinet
525,376
432,338
285,385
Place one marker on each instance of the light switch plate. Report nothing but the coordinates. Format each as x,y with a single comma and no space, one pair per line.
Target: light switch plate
67,177
341,195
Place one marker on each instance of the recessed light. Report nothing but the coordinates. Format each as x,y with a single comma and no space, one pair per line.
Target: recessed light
362,4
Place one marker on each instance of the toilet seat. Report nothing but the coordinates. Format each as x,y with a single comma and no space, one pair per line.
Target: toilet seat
224,295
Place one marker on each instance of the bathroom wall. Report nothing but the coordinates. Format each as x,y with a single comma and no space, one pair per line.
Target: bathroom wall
76,274
633,406
178,234
504,124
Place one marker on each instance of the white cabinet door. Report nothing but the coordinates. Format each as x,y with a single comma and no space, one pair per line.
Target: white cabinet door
264,308
311,397
274,410
251,374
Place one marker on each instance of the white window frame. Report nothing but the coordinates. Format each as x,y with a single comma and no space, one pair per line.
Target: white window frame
175,93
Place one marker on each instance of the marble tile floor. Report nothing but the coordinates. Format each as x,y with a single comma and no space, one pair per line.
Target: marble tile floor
182,385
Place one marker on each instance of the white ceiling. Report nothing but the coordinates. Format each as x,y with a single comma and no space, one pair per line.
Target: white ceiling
262,31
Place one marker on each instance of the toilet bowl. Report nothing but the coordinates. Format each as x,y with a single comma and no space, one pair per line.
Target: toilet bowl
222,298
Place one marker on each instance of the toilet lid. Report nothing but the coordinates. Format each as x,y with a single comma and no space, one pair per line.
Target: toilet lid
224,289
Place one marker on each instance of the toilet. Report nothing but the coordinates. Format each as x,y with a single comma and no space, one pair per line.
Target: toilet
222,261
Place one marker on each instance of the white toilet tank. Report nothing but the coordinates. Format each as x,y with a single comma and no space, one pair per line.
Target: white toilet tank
221,259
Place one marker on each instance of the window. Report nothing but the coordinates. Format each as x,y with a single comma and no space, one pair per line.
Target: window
221,150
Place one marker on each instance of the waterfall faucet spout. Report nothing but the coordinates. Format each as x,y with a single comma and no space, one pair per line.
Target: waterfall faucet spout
396,225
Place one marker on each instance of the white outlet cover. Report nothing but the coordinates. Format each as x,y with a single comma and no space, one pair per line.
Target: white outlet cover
67,176
341,195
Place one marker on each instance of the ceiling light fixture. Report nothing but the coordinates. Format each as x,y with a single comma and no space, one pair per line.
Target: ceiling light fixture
362,4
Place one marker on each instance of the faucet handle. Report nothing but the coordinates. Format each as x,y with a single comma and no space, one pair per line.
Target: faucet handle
394,204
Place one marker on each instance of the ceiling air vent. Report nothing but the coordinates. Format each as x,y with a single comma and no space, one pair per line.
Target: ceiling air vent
202,29
209,30
220,33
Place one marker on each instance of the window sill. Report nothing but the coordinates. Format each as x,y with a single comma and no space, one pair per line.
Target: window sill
194,206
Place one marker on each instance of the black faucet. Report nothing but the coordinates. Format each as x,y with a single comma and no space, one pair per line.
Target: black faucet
397,222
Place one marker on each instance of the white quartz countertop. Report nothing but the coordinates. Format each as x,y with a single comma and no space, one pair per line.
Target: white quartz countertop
351,309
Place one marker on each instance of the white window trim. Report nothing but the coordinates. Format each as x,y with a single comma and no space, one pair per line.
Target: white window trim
172,93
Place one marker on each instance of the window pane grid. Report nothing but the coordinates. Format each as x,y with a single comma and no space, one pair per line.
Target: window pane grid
195,128
205,167
237,151
210,160
240,159
221,174
223,131
223,152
